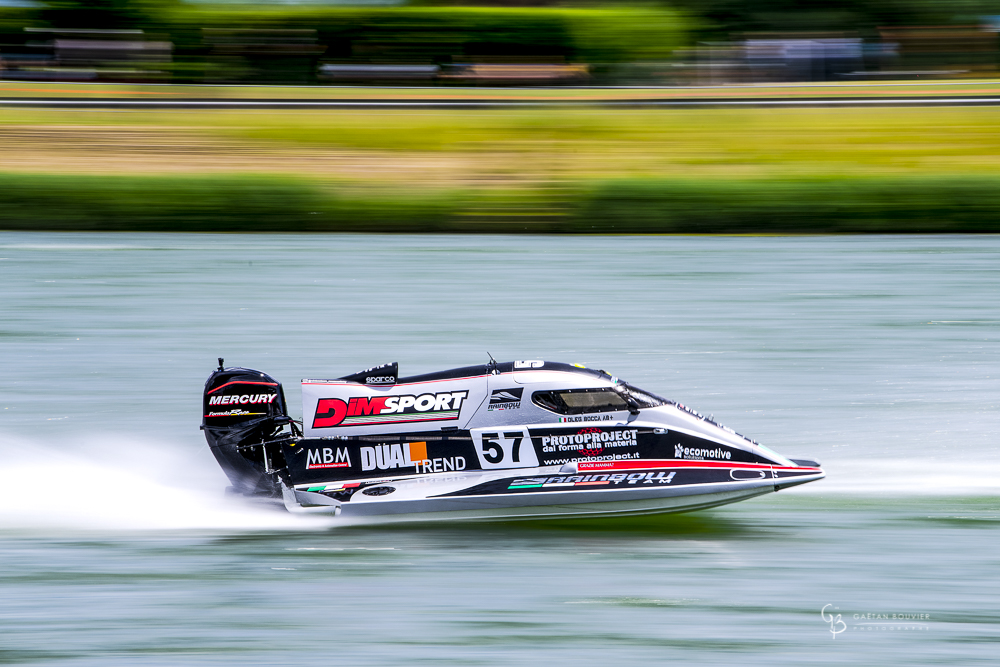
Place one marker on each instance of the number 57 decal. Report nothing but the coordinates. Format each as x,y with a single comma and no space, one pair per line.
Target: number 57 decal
504,448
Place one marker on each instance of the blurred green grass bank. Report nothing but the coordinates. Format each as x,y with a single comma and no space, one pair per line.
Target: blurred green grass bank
541,170
633,206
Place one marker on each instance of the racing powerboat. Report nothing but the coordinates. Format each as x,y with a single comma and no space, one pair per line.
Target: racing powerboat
521,439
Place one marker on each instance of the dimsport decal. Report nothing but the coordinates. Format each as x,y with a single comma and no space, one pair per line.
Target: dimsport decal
371,410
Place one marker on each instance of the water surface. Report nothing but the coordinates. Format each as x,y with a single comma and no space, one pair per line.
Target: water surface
876,355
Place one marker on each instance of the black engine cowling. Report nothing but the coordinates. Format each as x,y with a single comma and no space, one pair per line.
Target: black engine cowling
243,410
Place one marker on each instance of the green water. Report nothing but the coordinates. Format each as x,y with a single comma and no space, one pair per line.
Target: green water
876,355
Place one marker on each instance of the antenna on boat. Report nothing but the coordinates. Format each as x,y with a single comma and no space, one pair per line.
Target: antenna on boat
491,367
220,363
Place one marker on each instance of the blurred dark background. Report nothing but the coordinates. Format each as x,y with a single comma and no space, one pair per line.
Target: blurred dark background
497,42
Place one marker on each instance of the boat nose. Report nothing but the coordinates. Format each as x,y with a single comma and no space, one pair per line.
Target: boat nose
805,471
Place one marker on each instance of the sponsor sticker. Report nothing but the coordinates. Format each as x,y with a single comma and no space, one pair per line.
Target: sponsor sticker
681,452
392,456
599,462
596,448
505,399
592,480
385,374
235,412
606,417
588,440
374,410
326,457
333,488
408,455
242,399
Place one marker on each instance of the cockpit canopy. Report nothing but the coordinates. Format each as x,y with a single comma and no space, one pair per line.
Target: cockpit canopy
599,399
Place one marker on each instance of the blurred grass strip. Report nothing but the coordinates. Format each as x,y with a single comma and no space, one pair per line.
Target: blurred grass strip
526,145
918,204
240,203
254,203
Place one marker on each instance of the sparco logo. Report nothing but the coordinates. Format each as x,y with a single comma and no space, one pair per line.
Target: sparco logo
696,453
369,410
505,399
327,458
380,379
241,399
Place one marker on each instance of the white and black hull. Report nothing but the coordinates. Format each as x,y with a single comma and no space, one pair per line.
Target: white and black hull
414,504
500,441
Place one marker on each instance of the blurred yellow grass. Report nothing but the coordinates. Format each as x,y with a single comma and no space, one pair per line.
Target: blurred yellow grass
526,148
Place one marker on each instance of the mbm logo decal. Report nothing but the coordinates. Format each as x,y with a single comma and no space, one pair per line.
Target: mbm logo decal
326,458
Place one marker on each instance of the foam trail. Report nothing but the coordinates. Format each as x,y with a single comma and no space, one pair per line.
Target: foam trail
113,483
908,477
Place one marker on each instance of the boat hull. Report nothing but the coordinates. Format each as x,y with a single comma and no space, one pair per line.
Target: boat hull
509,440
477,497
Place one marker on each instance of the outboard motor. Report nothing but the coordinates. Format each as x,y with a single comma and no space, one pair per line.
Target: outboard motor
244,421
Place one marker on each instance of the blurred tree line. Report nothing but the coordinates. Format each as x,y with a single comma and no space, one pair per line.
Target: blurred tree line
282,43
713,17
725,18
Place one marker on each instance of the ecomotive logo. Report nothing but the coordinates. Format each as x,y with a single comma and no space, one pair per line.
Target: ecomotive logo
681,452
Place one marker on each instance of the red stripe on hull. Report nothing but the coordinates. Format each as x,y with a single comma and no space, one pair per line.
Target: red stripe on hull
678,463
